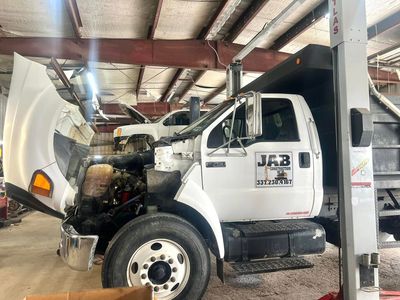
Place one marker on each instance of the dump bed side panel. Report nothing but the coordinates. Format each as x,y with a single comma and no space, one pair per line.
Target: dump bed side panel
386,145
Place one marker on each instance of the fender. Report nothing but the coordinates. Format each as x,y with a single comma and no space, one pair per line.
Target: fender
191,193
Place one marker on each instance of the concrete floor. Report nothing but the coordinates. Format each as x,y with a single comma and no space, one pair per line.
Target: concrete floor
29,265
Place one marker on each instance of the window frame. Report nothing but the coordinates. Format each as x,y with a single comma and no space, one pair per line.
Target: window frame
173,117
256,140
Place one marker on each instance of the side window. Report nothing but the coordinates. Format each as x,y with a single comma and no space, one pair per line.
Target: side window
279,124
278,121
178,119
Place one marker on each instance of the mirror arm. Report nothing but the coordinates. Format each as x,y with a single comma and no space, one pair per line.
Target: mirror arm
219,147
241,145
239,140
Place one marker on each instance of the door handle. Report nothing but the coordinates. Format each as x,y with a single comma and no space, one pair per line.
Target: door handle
304,160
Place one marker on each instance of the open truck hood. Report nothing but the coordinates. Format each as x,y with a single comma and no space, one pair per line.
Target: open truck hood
134,114
35,112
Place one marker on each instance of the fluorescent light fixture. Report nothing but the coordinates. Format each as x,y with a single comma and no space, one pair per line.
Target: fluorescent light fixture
223,18
98,156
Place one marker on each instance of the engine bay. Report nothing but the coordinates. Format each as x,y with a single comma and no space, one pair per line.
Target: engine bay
111,192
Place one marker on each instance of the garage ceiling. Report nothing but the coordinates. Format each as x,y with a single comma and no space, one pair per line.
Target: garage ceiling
231,20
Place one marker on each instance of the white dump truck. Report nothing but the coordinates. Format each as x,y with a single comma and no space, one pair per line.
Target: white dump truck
253,181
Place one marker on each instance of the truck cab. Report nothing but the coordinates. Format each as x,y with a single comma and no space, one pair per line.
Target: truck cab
279,168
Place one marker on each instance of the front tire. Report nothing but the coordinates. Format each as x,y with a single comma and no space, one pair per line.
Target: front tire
162,251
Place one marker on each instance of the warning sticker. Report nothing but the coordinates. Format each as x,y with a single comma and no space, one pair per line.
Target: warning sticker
274,169
361,169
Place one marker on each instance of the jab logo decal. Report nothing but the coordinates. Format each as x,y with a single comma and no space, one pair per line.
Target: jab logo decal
274,169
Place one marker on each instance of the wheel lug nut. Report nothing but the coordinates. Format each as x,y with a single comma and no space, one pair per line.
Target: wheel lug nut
153,258
145,266
162,256
144,276
170,261
147,283
174,269
156,288
172,279
165,286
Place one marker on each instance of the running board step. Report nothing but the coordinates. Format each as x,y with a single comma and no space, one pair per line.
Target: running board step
271,265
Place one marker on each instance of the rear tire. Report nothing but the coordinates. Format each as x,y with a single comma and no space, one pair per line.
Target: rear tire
160,250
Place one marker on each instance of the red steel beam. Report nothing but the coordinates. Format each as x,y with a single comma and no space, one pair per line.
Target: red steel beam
246,17
188,54
194,54
74,16
378,75
108,128
152,109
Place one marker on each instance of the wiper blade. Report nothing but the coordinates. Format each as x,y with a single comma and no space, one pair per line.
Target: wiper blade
183,136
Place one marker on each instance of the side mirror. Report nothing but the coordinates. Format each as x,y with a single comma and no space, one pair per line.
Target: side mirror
253,115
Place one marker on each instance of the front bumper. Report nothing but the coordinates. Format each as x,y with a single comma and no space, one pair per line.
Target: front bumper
76,250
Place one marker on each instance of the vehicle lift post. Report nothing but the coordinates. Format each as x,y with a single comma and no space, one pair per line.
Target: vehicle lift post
348,35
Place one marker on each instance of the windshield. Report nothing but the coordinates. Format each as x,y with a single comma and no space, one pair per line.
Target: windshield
159,119
207,119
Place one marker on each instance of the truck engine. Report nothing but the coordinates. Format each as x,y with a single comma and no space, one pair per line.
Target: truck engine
110,193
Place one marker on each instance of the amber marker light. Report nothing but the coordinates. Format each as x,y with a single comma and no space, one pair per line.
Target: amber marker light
119,132
41,184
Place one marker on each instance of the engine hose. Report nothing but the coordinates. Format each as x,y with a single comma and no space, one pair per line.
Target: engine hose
131,201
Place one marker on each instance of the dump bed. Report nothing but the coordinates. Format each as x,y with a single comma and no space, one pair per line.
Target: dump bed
309,73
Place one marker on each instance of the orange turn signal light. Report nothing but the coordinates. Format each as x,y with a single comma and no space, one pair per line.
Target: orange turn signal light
119,132
41,184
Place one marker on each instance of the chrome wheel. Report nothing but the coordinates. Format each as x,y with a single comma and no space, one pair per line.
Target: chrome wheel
162,264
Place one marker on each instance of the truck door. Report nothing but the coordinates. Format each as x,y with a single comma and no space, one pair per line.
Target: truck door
271,177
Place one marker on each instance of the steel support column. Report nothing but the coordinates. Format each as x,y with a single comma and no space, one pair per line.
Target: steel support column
348,32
